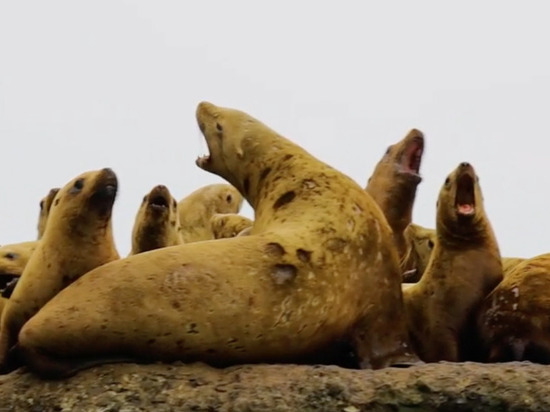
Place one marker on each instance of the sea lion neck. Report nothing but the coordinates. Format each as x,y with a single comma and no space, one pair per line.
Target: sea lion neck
464,235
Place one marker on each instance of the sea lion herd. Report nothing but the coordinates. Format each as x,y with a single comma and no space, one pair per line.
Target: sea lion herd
327,272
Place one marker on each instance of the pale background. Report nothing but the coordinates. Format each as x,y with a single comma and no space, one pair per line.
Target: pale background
91,84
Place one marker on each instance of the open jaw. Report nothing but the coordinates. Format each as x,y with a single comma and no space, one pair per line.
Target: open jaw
5,280
412,157
159,199
465,195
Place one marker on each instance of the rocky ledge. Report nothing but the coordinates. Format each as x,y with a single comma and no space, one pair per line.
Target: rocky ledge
198,387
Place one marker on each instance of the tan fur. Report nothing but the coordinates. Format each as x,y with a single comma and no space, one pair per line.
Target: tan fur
509,264
225,225
465,266
393,187
514,320
196,209
78,238
45,205
420,243
318,266
13,259
423,240
157,222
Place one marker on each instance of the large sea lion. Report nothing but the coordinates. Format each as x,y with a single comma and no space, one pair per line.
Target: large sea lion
464,267
157,222
393,185
514,320
196,209
226,225
319,265
45,206
78,238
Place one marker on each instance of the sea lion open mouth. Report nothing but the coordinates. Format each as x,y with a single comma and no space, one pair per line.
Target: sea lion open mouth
465,197
412,157
159,198
7,284
5,279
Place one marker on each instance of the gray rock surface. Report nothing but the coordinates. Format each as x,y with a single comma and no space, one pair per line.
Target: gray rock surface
198,387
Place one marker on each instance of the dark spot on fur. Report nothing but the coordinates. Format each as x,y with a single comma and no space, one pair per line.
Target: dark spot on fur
219,127
228,198
303,255
275,248
180,342
335,244
288,157
192,328
42,204
56,202
222,222
246,185
264,173
176,304
144,199
211,350
103,326
250,300
172,223
284,199
66,280
174,203
283,272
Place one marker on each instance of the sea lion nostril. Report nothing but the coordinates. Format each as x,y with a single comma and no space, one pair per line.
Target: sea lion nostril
464,164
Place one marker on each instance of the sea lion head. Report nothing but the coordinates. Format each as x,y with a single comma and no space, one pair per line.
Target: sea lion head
13,259
84,205
395,179
45,206
460,205
157,221
236,141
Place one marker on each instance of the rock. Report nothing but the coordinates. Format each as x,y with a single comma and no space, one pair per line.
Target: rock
197,387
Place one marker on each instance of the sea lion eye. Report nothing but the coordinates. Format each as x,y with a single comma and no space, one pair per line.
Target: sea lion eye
388,150
219,127
430,243
174,203
10,255
447,181
41,204
79,184
144,199
229,198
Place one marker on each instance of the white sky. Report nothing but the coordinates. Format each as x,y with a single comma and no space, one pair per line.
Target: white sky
86,85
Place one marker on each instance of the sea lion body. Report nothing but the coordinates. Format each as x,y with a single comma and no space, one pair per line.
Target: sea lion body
78,238
226,225
157,222
45,206
514,320
304,277
464,267
393,185
509,264
196,209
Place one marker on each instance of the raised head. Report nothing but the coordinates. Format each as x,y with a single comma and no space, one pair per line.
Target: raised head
460,207
157,222
242,149
395,179
84,206
45,206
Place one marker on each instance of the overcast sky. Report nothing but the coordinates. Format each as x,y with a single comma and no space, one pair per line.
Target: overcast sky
92,84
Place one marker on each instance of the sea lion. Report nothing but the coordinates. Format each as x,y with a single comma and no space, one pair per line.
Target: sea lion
420,243
393,185
226,225
514,319
13,259
196,209
464,267
45,205
509,263
157,222
78,238
319,264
